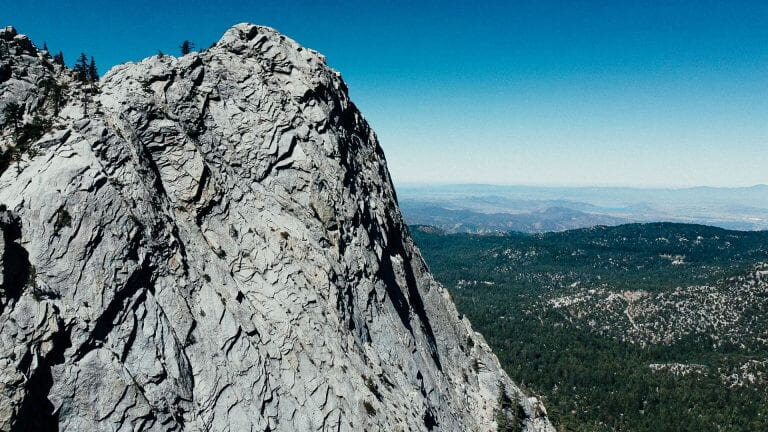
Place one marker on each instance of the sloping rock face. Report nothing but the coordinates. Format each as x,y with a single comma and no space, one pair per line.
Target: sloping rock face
213,243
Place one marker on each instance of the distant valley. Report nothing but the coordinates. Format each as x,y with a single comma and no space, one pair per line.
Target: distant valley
493,209
637,327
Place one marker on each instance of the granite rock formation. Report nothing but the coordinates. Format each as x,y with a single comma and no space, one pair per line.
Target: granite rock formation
213,243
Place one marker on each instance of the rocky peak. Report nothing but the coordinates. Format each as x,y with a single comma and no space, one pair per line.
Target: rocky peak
21,44
213,242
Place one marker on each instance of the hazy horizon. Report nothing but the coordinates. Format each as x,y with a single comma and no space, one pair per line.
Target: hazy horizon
550,92
574,186
490,208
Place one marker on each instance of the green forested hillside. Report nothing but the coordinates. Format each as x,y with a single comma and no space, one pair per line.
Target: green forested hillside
642,327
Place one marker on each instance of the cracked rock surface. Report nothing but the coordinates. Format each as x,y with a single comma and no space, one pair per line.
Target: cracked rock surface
213,243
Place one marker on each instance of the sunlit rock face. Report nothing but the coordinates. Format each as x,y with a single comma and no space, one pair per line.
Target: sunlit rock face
213,243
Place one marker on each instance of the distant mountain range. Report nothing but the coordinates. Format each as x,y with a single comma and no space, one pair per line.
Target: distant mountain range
469,221
477,208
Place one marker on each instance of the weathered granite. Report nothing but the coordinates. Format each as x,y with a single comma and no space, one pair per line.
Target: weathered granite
213,243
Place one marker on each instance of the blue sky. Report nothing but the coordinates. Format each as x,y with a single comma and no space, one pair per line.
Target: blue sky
671,93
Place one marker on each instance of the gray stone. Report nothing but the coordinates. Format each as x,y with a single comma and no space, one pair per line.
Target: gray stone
213,243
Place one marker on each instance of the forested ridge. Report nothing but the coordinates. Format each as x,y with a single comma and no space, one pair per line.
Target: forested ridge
641,327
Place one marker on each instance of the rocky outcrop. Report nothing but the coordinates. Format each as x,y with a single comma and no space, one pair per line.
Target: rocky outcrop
213,243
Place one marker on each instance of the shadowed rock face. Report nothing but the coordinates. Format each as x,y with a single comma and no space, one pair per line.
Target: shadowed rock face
213,244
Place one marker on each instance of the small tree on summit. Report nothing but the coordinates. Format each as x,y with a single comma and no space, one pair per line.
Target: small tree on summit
93,73
81,68
59,58
186,47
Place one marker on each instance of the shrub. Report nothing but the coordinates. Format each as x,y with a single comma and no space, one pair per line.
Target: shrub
63,219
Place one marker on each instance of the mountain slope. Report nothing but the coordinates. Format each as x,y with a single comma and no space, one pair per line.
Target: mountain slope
461,220
213,243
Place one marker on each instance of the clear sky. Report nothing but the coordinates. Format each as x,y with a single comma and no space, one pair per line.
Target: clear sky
665,93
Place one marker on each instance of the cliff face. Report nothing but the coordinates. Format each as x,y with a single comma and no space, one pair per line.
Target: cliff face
213,243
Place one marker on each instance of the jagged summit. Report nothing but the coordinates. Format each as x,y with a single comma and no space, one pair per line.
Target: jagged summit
213,243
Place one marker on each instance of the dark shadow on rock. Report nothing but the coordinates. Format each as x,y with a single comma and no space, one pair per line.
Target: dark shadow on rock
37,413
413,302
16,266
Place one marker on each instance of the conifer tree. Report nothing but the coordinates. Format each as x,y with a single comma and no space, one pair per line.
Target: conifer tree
93,73
186,47
54,92
81,68
14,114
45,46
59,58
58,98
505,422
